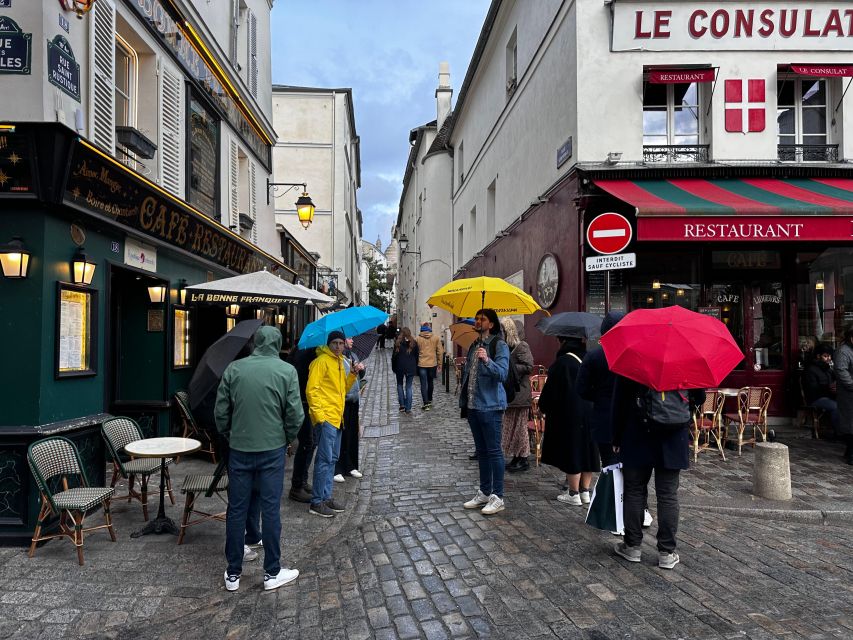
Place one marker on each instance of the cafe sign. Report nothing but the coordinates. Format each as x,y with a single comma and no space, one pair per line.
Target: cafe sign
62,68
16,51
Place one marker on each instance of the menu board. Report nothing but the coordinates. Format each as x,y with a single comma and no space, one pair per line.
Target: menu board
74,330
204,147
181,345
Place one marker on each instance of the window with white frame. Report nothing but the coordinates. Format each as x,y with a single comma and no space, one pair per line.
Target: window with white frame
125,79
801,119
671,114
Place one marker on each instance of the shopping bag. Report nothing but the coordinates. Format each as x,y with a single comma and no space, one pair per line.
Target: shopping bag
605,508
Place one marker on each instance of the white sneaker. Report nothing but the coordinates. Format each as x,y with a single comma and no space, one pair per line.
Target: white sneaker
494,505
478,501
647,518
249,554
339,478
568,498
232,583
355,473
284,576
584,497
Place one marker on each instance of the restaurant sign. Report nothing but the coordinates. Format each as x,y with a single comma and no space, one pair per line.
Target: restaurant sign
745,228
62,68
108,189
16,50
731,26
229,297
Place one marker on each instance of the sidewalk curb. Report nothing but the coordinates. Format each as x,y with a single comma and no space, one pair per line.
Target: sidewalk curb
802,516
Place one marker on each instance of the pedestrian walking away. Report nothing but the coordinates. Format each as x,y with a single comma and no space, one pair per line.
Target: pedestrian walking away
404,364
515,438
483,401
347,464
844,375
430,355
381,331
259,411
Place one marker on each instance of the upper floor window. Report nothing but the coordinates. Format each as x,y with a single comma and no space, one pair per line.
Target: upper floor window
672,122
125,83
512,63
801,120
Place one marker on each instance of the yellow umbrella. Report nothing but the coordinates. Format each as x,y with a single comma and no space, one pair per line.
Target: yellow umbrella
466,296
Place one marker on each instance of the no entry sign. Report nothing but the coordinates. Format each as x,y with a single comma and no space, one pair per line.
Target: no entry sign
609,233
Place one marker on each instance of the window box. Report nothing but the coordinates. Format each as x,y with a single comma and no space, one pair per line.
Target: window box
246,222
135,141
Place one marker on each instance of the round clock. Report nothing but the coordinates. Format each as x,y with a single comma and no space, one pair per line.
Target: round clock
547,280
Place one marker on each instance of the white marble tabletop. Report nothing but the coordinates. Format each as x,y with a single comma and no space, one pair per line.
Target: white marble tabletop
162,447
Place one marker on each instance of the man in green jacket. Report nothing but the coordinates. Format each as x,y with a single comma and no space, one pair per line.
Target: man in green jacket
259,410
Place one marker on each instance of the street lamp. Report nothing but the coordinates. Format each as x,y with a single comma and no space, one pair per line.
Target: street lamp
15,258
304,205
82,268
404,245
157,293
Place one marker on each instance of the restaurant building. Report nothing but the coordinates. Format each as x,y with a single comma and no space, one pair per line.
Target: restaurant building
135,148
664,114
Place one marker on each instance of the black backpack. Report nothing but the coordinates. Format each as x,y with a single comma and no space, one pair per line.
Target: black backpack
511,384
664,410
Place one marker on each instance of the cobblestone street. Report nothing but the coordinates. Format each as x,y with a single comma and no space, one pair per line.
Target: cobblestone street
407,561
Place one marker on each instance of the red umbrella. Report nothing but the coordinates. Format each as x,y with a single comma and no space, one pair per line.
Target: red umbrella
671,348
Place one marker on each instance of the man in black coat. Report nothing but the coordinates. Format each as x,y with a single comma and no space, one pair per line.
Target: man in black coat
300,490
819,383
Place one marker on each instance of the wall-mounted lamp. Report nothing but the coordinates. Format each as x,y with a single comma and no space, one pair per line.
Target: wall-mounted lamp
157,293
679,293
650,300
280,318
613,157
259,314
15,258
182,291
404,245
232,310
82,268
304,205
80,7
819,285
230,323
664,296
655,284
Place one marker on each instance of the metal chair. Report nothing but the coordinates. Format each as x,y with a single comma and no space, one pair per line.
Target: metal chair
56,465
708,420
458,367
191,428
811,416
752,404
537,381
119,432
215,484
538,424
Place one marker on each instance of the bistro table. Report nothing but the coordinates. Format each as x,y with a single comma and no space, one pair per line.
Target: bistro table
161,448
727,392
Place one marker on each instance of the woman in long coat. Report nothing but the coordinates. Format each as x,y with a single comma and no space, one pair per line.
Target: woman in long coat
516,439
844,391
568,444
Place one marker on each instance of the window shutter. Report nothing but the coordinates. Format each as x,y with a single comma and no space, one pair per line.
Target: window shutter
171,131
253,202
253,53
234,179
102,92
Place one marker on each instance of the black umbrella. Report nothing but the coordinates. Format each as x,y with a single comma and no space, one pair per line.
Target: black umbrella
576,324
363,344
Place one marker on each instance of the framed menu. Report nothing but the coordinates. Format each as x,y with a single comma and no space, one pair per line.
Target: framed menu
76,331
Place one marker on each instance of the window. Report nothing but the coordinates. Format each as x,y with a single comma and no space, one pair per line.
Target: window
472,231
512,63
125,79
490,211
460,171
801,118
203,144
76,331
460,245
671,117
181,356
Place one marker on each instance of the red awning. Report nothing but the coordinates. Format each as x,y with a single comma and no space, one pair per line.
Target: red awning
676,75
824,70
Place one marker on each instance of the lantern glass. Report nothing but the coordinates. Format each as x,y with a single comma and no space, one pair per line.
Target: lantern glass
655,284
15,259
232,310
82,268
404,242
305,209
157,293
819,286
280,318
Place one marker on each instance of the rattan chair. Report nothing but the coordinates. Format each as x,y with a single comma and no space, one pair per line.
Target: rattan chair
191,428
812,417
119,432
458,368
194,484
56,466
708,421
752,405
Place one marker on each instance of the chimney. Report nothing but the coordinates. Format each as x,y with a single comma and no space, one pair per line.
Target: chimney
443,94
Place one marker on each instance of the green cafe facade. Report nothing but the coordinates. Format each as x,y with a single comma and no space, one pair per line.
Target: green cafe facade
99,323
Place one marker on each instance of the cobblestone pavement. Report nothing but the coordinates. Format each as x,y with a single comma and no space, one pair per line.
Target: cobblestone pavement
406,561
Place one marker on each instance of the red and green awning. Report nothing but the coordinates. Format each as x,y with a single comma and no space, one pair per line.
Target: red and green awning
747,196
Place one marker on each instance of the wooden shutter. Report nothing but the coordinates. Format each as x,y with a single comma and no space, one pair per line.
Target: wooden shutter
102,93
234,184
253,201
252,21
171,131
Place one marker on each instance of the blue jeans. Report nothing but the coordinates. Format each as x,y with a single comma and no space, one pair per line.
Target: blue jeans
265,470
328,450
404,395
426,376
831,406
486,429
253,519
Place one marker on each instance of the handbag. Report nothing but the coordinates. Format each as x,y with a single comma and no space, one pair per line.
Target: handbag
605,507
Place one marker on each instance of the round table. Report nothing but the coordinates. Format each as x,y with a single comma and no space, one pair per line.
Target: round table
161,448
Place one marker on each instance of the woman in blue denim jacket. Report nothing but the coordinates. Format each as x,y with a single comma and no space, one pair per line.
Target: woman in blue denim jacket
483,398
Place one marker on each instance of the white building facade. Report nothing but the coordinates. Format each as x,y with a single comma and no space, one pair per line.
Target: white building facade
318,145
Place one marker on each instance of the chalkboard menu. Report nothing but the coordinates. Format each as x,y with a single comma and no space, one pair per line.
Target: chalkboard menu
204,147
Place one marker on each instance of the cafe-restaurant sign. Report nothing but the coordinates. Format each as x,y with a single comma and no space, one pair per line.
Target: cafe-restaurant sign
733,26
16,50
108,189
745,228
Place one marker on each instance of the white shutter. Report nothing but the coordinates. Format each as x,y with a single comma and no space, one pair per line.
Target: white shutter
253,201
252,39
171,131
102,92
234,183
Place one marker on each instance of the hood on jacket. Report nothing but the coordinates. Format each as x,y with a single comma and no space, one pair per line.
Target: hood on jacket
325,351
610,321
267,342
519,329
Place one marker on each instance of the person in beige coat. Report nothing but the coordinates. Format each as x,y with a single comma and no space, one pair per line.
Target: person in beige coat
430,355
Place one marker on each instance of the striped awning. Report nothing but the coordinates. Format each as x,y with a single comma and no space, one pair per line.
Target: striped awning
725,197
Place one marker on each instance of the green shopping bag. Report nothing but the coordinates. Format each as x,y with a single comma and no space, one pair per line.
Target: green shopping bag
605,508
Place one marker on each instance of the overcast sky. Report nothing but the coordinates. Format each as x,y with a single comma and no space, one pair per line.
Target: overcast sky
388,52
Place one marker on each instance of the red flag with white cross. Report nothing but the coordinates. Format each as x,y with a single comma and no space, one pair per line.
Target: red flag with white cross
745,106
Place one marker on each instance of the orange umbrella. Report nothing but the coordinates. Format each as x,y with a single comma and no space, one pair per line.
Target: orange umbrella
463,334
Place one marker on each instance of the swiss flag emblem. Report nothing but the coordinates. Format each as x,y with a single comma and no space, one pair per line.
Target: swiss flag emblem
745,106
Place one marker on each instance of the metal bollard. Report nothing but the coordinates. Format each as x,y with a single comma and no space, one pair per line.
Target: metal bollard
446,370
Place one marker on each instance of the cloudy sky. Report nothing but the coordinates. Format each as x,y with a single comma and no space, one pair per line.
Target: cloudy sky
388,52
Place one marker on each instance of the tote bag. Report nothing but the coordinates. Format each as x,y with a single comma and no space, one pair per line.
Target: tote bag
605,507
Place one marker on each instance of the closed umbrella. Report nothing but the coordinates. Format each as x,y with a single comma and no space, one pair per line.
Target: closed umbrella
571,324
466,296
671,348
352,322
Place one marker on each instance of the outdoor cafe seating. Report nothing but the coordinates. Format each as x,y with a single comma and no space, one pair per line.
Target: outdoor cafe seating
708,424
215,484
458,368
752,405
191,429
536,425
811,417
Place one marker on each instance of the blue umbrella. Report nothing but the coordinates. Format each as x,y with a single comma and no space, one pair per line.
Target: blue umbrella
351,322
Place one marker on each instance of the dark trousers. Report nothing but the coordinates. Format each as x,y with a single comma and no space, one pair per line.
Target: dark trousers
636,497
486,429
426,376
304,452
608,457
348,460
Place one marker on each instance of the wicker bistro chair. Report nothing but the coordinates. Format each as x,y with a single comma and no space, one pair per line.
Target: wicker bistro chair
752,404
194,484
119,432
537,423
537,381
708,421
55,462
812,417
191,428
458,367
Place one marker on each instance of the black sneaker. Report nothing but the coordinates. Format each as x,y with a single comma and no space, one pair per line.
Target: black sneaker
321,509
334,506
428,406
300,494
521,465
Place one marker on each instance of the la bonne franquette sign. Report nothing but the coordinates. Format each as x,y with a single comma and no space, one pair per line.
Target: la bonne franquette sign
817,25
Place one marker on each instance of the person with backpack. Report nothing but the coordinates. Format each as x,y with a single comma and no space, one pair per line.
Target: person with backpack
651,434
568,444
515,438
404,364
483,401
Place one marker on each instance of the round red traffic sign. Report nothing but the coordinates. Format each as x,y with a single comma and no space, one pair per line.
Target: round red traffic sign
609,233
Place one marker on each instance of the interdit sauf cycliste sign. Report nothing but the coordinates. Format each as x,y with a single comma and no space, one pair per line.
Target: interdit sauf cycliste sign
734,26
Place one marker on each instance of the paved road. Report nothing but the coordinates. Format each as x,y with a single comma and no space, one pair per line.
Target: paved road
407,561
